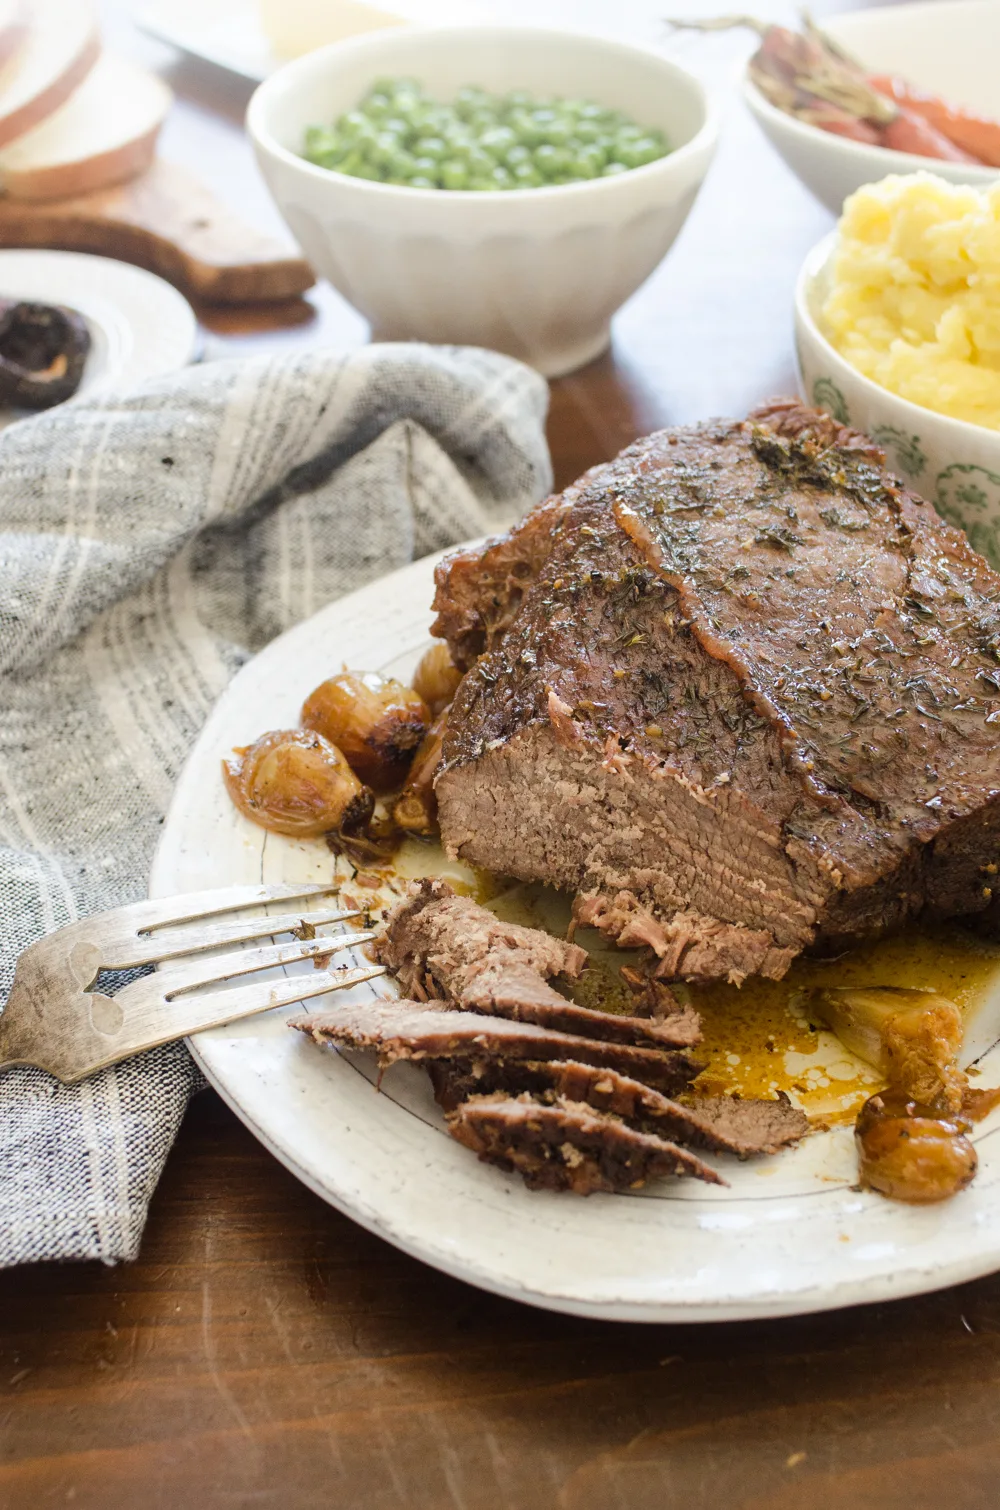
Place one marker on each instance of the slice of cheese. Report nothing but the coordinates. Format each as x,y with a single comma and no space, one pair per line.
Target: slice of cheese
105,133
61,46
294,27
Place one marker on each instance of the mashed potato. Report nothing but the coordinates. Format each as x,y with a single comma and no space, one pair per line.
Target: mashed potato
914,300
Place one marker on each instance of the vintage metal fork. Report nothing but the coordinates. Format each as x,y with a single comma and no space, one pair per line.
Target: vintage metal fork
55,1021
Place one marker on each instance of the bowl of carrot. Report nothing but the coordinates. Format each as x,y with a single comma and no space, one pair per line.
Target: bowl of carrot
882,91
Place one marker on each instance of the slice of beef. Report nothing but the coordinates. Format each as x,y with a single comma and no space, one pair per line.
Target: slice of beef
738,685
454,950
436,941
568,1146
515,991
720,1124
421,1030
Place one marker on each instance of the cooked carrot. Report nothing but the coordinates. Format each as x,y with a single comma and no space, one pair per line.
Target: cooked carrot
842,124
975,134
910,132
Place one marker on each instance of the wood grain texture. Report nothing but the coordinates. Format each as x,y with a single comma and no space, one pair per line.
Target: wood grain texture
167,221
265,1352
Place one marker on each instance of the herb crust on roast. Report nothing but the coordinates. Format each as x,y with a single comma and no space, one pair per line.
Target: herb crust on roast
738,690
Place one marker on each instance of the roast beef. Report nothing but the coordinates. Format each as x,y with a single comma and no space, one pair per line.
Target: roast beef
720,1124
450,948
567,1146
738,690
422,1031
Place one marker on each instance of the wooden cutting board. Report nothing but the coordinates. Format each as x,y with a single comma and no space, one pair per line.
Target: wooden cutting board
166,221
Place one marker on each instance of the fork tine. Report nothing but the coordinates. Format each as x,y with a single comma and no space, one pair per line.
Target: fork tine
192,905
176,980
153,948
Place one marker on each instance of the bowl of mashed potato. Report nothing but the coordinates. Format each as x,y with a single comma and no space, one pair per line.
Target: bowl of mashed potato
897,325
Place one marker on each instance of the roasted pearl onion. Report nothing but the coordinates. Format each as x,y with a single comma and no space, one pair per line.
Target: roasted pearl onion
377,723
293,781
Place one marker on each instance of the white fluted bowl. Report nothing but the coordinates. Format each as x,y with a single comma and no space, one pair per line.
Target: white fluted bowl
536,273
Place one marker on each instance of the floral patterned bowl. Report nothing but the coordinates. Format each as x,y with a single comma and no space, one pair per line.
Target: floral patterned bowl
953,464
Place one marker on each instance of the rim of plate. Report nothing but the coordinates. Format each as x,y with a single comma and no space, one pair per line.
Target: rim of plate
946,1245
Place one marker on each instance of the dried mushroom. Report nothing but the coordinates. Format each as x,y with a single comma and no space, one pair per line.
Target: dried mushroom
43,349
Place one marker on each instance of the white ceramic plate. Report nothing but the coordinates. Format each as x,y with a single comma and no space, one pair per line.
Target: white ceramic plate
140,326
790,1234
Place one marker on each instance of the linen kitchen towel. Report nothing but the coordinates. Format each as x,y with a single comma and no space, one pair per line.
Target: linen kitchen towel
150,542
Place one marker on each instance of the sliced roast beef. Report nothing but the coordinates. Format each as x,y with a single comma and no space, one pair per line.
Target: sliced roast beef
566,1145
422,1030
436,942
738,690
454,950
720,1124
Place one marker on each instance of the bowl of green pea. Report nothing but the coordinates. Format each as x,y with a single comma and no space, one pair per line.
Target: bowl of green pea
507,187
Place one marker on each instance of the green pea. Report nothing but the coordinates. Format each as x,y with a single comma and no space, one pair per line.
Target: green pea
587,164
550,160
636,154
431,146
378,106
320,139
497,141
588,131
480,141
354,123
454,175
480,164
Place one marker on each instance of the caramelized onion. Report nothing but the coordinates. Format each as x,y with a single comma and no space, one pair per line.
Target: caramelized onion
436,678
377,723
911,1152
293,781
416,808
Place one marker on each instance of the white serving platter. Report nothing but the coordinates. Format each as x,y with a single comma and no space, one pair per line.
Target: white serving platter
791,1234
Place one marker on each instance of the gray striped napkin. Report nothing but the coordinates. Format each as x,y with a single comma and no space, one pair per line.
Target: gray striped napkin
150,542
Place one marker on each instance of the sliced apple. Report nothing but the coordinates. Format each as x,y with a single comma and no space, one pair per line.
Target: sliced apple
61,46
104,134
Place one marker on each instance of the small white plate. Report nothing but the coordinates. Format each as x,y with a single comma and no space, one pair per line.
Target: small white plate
140,326
791,1234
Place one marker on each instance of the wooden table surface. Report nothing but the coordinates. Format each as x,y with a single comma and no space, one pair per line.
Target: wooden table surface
266,1352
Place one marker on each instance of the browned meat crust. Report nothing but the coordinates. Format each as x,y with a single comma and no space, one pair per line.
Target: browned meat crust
567,1146
739,682
719,1124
